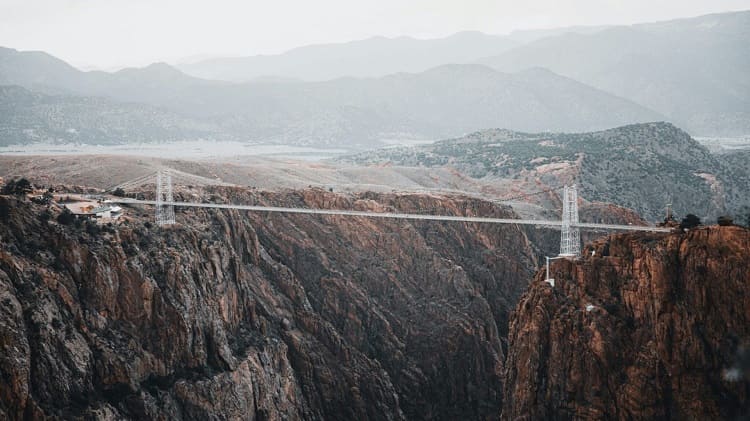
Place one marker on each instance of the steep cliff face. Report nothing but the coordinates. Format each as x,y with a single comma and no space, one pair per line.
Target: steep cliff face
646,328
258,316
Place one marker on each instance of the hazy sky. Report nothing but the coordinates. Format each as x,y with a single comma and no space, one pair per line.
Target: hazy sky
116,33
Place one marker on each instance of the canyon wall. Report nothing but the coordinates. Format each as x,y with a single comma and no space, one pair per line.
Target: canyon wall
236,315
643,326
242,315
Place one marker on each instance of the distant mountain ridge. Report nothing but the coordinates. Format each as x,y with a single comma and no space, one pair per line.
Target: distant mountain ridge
372,57
695,71
445,101
29,117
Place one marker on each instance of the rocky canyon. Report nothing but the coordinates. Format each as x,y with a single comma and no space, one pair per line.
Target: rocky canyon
248,315
233,315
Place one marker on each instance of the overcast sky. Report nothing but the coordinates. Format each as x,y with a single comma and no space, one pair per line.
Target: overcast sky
116,33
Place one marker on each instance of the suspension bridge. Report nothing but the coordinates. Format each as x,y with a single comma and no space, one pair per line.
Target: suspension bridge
570,226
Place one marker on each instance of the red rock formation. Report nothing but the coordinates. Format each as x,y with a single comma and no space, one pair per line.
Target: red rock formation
238,315
644,329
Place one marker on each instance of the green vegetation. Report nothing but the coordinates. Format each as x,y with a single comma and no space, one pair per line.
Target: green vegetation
45,215
18,187
66,217
690,221
4,210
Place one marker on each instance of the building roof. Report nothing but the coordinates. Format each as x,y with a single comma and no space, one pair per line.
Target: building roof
81,208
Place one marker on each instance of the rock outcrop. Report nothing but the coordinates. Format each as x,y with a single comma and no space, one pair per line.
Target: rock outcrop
648,327
234,315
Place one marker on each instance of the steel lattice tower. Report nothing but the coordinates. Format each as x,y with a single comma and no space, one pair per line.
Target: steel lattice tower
164,206
570,238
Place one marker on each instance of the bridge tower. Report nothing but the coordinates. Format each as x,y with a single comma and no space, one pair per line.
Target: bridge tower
164,206
570,238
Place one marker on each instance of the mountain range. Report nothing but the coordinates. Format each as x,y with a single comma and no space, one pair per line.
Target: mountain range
445,101
373,57
29,117
695,71
691,72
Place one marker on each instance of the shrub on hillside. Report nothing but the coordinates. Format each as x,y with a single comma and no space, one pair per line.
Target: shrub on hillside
4,210
690,221
45,215
92,228
66,217
17,187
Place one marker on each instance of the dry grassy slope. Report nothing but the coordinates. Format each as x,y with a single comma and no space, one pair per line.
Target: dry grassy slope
103,171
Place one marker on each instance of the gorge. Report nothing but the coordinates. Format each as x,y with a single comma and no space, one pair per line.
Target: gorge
234,315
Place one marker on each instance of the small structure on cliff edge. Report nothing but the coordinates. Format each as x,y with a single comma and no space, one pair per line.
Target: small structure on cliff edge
85,208
107,212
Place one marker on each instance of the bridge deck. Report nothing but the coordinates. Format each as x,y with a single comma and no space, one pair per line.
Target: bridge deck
394,215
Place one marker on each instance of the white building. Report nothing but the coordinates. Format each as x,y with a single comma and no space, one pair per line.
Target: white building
107,212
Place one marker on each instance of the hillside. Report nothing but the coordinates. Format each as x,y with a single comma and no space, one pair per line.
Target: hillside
29,117
373,57
442,102
694,71
642,167
650,327
42,72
